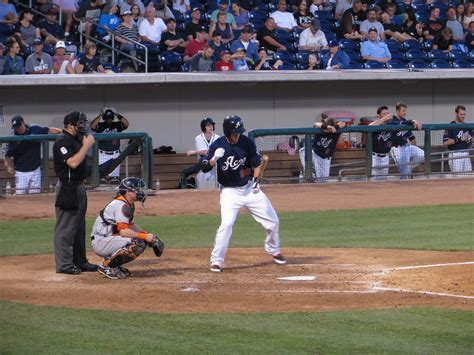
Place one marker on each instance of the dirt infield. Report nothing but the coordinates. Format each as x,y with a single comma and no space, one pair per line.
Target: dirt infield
314,279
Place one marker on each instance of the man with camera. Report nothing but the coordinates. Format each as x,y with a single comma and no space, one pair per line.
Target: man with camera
109,149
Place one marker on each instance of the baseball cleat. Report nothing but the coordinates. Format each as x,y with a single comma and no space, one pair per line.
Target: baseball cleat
279,259
216,268
111,273
125,271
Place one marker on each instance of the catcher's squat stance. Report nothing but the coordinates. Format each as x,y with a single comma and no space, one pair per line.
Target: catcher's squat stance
238,164
116,237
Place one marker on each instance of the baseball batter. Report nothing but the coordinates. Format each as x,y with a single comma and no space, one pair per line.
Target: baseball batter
381,144
458,141
116,237
238,163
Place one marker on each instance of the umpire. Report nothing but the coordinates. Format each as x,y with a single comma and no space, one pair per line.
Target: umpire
70,158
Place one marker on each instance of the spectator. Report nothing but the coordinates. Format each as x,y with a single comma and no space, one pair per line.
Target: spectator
313,62
385,4
181,6
162,10
246,42
25,30
284,20
239,60
8,14
14,64
347,29
303,16
404,150
50,29
313,39
225,64
194,26
372,22
223,7
320,5
39,62
241,16
460,12
263,61
137,17
172,40
109,149
444,41
127,32
433,26
396,32
468,15
90,10
249,5
109,20
374,49
222,27
128,4
324,146
470,37
151,28
68,9
203,62
23,159
457,140
381,145
411,27
358,15
341,7
62,64
89,62
455,25
336,59
216,42
267,38
196,45
2,58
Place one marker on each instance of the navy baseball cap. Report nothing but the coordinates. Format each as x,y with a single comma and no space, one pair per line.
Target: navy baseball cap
333,43
373,29
17,121
37,42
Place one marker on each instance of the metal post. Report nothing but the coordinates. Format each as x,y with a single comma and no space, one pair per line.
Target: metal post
427,149
308,158
145,160
113,48
150,161
95,177
45,165
368,157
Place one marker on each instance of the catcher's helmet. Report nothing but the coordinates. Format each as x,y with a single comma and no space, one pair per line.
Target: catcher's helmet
207,121
78,119
233,124
135,185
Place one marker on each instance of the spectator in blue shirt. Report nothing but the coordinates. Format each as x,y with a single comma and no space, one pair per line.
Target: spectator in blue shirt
245,42
14,64
336,59
373,49
108,19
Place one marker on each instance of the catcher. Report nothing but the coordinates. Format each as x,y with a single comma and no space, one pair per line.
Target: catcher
116,237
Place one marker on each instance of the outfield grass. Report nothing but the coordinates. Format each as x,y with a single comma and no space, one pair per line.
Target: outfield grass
35,329
446,227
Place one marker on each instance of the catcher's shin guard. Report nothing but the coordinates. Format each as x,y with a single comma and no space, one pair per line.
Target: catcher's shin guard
126,254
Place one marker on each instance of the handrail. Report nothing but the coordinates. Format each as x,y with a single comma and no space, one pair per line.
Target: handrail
112,47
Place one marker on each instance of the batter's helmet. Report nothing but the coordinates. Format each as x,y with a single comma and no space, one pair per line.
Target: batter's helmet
109,115
207,121
135,185
233,124
78,119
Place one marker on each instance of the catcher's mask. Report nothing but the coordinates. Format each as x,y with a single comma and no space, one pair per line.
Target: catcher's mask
135,185
78,119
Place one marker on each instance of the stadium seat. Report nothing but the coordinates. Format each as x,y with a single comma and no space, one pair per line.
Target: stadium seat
257,16
171,61
440,64
412,44
288,67
398,56
458,56
438,54
185,67
462,64
418,64
286,57
394,46
415,54
354,56
372,64
421,7
179,17
471,56
349,45
302,57
396,64
110,66
356,65
324,15
443,8
422,17
284,36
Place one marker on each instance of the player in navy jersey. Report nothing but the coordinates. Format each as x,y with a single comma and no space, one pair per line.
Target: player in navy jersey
458,140
238,162
381,144
405,152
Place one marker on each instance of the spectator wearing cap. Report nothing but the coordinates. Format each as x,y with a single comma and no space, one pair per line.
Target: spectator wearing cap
223,7
151,28
109,20
23,159
172,40
203,62
181,6
62,63
303,16
225,64
312,39
2,58
336,59
24,28
239,60
222,27
245,42
434,25
89,62
39,62
263,61
50,29
196,45
267,38
195,25
358,15
14,63
216,43
373,49
127,6
127,32
372,22
284,20
241,15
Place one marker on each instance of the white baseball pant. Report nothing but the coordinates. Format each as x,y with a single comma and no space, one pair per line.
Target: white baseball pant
107,246
28,182
232,199
321,166
209,176
407,157
380,166
462,164
104,157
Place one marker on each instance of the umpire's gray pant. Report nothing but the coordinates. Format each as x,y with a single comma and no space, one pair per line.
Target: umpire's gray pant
70,233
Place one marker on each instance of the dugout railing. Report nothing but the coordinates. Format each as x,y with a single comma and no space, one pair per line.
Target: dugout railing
137,141
429,138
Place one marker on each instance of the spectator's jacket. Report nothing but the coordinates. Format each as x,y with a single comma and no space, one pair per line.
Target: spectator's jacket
252,50
14,65
340,58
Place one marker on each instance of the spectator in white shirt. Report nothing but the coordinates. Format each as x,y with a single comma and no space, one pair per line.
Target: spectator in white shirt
313,39
151,27
284,20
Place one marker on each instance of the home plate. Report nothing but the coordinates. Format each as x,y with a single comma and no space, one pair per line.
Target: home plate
297,278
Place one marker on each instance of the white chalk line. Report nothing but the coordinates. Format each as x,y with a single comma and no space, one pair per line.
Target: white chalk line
429,266
390,289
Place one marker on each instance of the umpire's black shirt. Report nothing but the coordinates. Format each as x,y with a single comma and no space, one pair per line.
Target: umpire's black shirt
63,149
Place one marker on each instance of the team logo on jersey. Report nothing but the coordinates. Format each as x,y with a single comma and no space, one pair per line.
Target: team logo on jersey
63,150
233,163
325,142
384,136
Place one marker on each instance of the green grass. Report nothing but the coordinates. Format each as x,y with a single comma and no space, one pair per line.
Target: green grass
38,329
430,228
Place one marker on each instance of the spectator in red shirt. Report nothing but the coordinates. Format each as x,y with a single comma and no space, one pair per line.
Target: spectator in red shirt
225,63
196,45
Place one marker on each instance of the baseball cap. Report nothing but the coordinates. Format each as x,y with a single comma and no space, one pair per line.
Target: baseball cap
126,12
225,51
37,41
60,44
247,29
373,29
333,43
202,29
224,2
17,121
170,20
196,9
241,49
262,49
316,24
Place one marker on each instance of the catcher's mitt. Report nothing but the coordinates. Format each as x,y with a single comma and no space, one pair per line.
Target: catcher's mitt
158,247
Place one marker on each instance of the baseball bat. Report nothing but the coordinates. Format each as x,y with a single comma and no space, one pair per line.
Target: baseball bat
263,166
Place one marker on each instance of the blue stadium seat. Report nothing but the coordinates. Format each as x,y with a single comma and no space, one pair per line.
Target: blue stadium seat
399,56
284,36
356,65
415,54
179,17
427,45
324,15
422,16
257,16
443,8
418,64
437,54
171,61
349,45
185,67
286,57
458,56
471,56
330,35
394,46
372,64
288,67
421,7
302,57
396,64
110,66
440,64
462,64
412,44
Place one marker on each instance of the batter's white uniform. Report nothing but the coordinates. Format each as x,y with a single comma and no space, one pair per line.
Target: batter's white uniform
405,154
105,156
321,166
201,143
28,182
